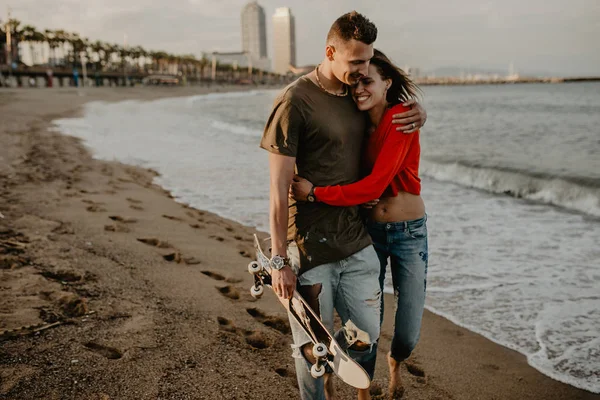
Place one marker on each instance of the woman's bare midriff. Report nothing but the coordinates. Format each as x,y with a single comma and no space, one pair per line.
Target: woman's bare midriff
403,207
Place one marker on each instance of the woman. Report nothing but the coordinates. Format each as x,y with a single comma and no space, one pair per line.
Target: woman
397,222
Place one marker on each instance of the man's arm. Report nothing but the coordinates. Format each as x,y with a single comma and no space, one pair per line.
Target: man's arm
281,172
412,120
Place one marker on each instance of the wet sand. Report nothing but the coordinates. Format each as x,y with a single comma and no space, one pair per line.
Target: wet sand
112,290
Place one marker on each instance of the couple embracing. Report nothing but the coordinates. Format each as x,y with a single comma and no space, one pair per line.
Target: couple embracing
343,136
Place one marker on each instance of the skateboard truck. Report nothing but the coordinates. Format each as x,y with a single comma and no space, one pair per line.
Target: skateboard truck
257,289
320,353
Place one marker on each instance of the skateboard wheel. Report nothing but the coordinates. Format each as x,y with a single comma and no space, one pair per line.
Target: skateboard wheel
256,291
254,267
319,350
317,371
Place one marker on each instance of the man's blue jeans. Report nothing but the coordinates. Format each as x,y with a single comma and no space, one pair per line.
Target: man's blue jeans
405,245
351,287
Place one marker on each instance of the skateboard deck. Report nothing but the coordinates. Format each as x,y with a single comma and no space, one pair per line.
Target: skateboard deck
325,348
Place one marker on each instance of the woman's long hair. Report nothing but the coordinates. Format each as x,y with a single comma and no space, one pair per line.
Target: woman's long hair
402,88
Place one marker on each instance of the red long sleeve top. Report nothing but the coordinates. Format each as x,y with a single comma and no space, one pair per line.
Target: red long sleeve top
393,159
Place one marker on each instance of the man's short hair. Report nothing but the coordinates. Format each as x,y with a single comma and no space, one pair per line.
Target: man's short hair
352,25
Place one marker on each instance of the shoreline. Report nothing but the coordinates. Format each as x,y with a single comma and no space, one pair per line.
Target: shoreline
159,327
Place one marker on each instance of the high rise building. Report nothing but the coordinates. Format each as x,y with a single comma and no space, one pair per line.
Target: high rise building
254,31
284,40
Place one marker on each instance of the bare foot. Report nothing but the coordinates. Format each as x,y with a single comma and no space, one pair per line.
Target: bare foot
396,390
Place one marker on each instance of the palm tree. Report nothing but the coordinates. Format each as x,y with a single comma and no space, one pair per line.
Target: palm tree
53,44
98,49
60,38
79,46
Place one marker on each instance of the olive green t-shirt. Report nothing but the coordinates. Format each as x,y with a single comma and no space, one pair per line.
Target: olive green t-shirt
325,133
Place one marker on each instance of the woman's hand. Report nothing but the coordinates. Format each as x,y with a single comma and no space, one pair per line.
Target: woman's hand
412,120
300,188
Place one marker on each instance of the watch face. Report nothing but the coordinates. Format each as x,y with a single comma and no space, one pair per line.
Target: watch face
277,262
310,198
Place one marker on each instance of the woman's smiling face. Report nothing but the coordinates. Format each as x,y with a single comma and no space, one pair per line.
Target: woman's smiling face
370,89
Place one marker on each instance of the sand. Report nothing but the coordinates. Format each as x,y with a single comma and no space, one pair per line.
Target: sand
112,290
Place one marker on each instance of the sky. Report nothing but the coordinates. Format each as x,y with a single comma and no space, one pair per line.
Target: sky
554,37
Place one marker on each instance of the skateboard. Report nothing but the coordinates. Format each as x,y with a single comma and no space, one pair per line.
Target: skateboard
326,350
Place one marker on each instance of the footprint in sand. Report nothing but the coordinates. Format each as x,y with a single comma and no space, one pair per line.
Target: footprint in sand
134,201
192,261
490,367
154,242
62,276
217,238
172,218
219,277
116,228
226,324
109,352
255,339
279,324
96,208
125,220
190,214
198,226
284,373
173,257
136,207
214,275
416,370
245,254
229,292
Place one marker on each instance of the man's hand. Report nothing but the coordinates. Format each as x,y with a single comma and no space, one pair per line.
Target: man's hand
300,188
283,282
370,204
412,120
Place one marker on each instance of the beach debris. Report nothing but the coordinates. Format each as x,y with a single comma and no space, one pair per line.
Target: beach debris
73,305
26,330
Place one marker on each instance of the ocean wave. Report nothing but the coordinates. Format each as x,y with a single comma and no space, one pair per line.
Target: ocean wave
225,95
574,193
236,129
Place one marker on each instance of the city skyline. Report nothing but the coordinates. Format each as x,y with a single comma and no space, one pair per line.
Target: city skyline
284,40
549,37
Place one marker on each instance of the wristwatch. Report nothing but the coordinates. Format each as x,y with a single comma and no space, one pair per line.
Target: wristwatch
311,195
278,262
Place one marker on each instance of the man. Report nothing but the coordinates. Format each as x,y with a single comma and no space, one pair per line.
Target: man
316,128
